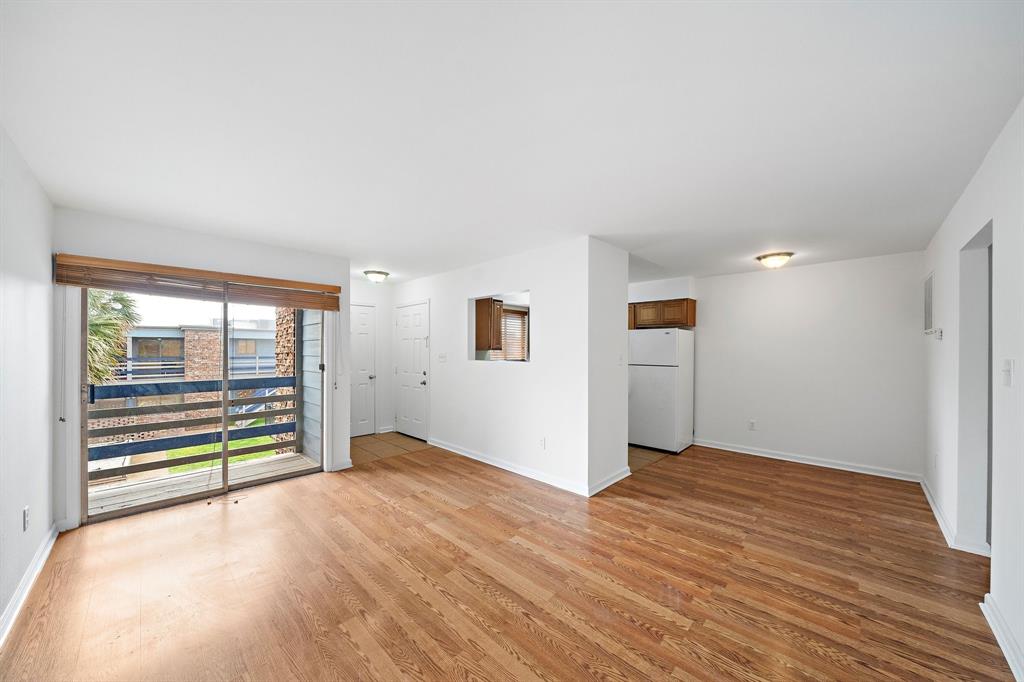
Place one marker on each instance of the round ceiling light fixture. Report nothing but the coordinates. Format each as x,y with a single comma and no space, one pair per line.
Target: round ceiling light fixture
376,276
774,260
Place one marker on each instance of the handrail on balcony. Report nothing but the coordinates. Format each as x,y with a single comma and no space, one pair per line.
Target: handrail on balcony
177,387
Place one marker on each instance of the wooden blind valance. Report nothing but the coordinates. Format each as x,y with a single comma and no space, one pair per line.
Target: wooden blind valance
166,280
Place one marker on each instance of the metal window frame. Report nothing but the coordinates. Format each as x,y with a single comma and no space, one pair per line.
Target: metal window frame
226,419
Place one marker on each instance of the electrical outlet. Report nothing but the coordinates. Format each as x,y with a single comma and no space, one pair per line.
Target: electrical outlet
752,425
24,519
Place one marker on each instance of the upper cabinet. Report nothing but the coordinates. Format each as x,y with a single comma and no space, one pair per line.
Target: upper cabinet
488,323
676,312
649,314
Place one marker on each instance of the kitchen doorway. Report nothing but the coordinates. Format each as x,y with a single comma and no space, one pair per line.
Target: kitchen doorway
974,386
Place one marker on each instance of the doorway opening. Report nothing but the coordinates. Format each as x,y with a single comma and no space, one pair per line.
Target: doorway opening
974,404
189,397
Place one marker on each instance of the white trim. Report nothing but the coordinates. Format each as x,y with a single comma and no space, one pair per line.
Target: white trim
814,461
528,472
1012,649
979,548
28,579
609,480
947,530
386,429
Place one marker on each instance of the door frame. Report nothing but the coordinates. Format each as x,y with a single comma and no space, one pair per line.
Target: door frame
394,357
354,304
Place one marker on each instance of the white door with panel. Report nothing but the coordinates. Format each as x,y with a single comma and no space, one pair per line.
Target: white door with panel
364,379
412,346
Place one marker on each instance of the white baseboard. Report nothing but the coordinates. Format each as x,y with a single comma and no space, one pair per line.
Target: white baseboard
528,472
28,579
979,548
67,524
610,480
947,529
1012,649
814,461
341,466
386,429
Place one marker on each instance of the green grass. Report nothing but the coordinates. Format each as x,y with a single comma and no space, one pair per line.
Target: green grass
215,447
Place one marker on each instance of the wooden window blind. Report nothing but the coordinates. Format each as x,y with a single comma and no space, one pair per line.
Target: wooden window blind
166,280
515,336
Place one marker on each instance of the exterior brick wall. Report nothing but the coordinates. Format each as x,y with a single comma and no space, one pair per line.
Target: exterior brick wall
284,362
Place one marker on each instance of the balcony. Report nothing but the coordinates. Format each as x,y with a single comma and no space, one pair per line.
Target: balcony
130,465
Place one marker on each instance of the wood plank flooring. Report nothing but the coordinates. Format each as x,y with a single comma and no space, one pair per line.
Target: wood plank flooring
426,565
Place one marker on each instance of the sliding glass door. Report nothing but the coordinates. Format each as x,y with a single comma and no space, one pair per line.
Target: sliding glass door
163,425
274,409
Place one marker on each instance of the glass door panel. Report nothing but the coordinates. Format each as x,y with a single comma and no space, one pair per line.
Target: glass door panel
275,383
154,407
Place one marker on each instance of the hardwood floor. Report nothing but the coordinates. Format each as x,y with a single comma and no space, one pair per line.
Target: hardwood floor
709,565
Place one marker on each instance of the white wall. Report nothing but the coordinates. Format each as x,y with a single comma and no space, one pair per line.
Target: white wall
26,347
996,194
91,234
826,358
661,289
608,371
501,412
381,296
531,418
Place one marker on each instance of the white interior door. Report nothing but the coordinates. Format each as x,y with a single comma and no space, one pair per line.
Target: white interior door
364,325
412,331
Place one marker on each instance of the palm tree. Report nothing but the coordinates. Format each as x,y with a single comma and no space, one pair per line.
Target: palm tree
111,314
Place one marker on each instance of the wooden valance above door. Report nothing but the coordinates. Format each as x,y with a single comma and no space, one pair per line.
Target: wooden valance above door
167,280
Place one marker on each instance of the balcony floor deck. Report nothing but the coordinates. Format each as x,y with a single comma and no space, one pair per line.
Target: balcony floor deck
126,495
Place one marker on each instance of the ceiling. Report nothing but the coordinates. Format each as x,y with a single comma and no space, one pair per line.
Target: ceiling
423,137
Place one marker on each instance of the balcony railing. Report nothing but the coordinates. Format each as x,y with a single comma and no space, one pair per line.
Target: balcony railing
267,391
260,365
136,368
148,369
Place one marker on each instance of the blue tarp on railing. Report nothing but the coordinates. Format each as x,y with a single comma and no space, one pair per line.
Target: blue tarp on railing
175,387
157,444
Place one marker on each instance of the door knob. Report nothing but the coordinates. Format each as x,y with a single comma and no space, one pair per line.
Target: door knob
424,372
423,383
373,376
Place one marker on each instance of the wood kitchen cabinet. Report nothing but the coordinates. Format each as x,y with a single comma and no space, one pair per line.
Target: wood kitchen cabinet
676,312
648,314
488,323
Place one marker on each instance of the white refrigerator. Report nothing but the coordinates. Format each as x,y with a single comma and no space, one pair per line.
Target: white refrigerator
661,388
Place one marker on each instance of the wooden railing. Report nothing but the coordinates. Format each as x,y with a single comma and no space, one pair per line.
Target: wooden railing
130,447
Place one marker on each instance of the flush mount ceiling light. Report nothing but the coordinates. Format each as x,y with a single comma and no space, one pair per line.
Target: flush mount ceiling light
774,260
376,276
